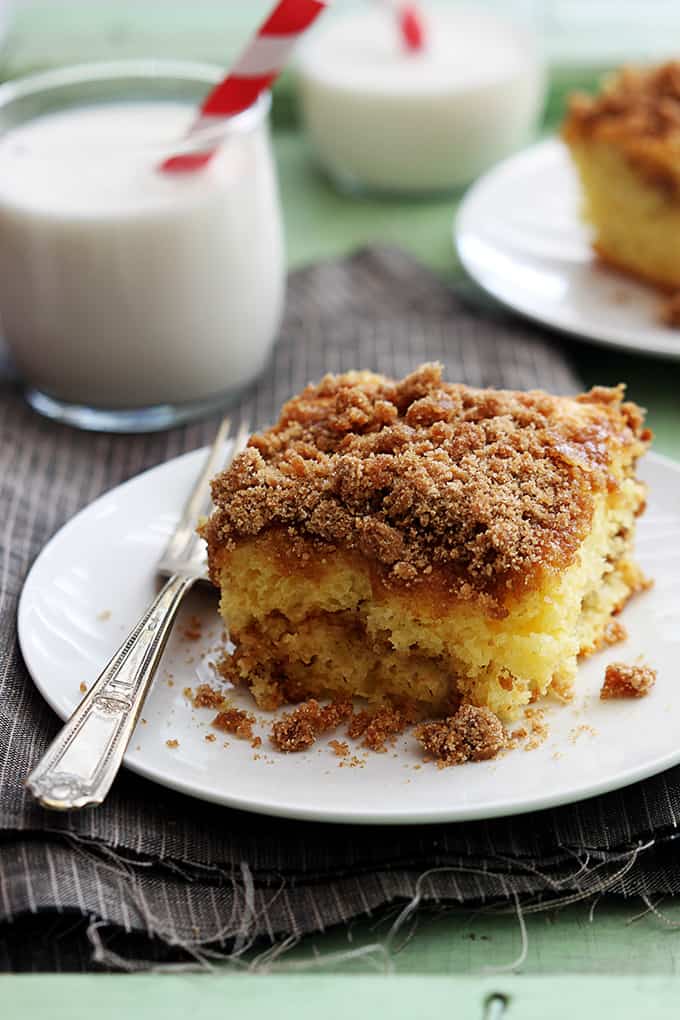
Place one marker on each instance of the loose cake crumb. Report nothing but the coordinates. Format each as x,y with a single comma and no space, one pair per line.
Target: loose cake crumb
193,630
580,731
613,633
83,687
516,737
538,729
104,615
386,723
472,734
172,744
256,742
331,715
352,763
210,737
340,748
297,730
622,681
207,697
236,721
358,724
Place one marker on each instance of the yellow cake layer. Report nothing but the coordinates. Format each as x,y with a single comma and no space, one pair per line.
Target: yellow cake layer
636,223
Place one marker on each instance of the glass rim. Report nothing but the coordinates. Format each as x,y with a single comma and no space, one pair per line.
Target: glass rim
112,71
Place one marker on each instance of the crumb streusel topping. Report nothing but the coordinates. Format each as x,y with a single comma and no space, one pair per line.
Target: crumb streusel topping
425,478
638,109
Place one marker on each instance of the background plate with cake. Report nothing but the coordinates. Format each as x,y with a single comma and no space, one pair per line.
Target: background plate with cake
583,234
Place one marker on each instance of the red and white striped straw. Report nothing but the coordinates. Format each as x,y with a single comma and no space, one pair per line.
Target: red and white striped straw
409,23
260,63
411,27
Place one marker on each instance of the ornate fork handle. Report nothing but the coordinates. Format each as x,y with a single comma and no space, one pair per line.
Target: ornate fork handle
81,763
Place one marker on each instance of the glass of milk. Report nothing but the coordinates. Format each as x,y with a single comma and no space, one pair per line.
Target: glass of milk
385,119
133,299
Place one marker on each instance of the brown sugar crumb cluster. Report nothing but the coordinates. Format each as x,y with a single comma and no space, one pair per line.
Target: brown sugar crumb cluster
426,479
622,681
637,109
206,696
236,721
380,727
298,730
472,734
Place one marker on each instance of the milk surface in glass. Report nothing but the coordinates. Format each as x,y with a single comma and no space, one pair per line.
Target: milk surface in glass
386,118
125,287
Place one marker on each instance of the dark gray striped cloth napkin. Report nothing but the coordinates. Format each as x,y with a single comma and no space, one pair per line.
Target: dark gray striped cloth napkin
154,876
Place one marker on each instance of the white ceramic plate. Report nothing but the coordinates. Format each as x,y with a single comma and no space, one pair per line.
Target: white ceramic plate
94,578
520,237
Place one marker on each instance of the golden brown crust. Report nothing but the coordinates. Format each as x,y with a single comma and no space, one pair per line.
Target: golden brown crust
638,111
424,478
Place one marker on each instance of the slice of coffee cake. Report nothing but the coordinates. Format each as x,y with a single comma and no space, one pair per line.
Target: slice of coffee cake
625,143
425,542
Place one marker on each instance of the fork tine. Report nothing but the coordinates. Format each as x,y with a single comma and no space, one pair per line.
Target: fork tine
194,503
214,464
198,502
241,440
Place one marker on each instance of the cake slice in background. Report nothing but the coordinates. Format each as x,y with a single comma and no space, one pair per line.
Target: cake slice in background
625,143
426,543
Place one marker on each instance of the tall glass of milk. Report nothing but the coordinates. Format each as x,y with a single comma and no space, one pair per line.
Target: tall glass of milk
130,298
382,118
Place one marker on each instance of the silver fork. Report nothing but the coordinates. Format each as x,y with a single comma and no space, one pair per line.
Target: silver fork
81,763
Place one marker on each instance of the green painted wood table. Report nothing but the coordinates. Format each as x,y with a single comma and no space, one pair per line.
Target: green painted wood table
584,960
